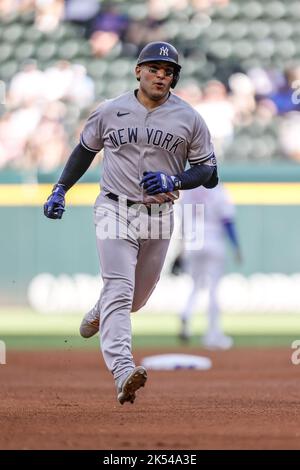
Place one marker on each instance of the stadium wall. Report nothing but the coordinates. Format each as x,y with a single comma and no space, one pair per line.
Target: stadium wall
268,221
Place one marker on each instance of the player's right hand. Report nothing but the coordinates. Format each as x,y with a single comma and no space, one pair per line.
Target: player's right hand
55,205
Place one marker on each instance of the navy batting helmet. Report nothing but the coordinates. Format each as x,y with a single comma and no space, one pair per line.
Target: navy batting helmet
162,52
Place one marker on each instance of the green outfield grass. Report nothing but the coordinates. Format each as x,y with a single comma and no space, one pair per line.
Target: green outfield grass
21,328
68,343
23,321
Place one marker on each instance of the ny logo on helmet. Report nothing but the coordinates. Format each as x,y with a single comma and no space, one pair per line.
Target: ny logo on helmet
164,51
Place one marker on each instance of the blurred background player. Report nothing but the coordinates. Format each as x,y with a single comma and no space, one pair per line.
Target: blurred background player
206,264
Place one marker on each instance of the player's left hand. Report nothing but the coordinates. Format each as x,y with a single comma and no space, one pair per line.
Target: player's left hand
55,204
155,182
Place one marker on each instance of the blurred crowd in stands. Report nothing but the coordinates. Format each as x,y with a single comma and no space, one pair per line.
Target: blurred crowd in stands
253,113
42,113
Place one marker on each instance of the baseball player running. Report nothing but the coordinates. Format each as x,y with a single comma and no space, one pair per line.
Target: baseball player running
206,264
148,135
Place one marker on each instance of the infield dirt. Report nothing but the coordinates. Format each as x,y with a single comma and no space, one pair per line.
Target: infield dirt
66,400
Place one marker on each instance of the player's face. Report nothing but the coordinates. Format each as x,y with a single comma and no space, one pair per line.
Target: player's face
155,80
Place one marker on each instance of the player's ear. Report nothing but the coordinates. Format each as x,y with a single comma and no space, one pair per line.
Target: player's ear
138,73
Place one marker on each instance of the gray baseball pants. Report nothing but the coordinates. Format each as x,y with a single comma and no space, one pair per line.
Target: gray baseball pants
132,247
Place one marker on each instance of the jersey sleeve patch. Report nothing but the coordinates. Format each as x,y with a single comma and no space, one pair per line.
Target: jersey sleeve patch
208,160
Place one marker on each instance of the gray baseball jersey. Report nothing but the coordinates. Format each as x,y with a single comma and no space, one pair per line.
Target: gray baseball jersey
137,140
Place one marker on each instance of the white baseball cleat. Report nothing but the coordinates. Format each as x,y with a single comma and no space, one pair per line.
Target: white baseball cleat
90,323
135,380
217,340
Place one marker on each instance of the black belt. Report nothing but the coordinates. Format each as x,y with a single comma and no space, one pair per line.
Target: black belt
129,203
114,197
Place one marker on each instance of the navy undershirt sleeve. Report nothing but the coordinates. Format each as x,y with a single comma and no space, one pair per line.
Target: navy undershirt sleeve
197,175
77,164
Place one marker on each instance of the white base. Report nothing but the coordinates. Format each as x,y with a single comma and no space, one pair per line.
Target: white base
176,361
